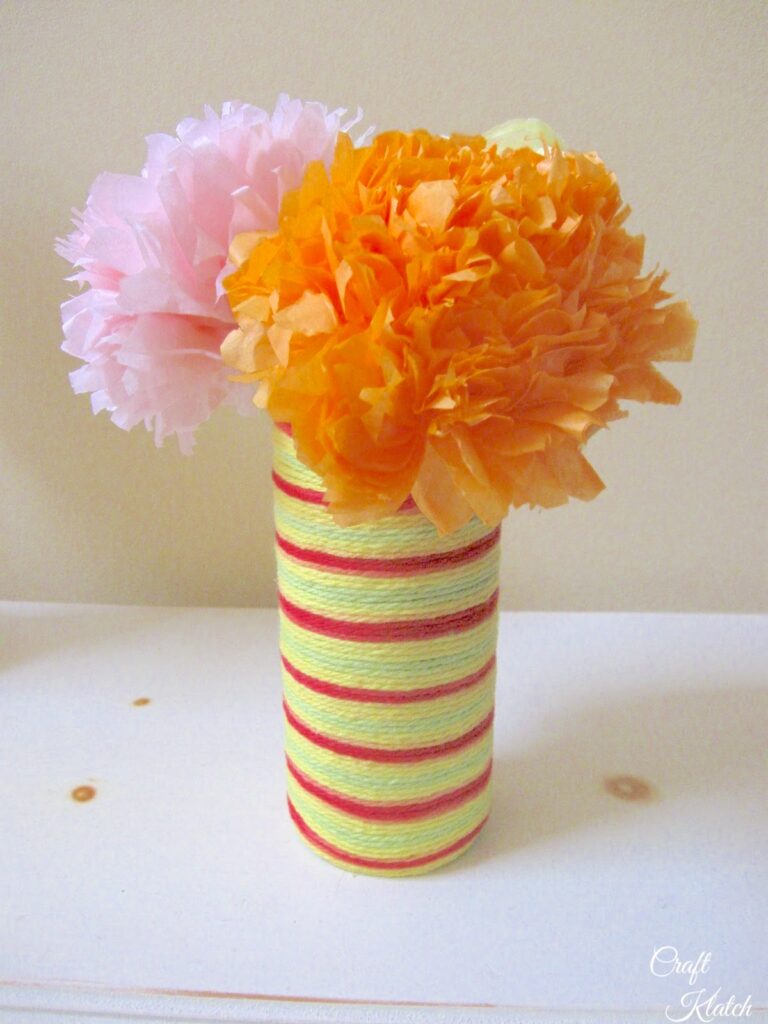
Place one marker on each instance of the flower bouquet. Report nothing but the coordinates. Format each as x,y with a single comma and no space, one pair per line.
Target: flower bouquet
436,327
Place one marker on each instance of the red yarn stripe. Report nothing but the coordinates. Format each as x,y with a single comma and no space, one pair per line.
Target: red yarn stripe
402,754
294,491
367,696
389,632
370,862
317,497
411,564
391,812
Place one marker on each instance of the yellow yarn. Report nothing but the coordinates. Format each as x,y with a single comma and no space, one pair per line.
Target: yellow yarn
380,784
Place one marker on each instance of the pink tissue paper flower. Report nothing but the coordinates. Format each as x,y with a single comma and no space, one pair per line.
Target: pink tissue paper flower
151,251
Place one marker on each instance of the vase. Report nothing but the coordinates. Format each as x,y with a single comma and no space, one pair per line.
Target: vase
388,653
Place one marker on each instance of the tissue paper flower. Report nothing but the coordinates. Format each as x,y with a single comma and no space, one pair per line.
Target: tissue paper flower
442,318
150,250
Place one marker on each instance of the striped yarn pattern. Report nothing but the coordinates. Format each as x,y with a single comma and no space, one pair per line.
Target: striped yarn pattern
387,640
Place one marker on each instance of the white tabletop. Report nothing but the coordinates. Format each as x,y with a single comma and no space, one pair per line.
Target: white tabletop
181,891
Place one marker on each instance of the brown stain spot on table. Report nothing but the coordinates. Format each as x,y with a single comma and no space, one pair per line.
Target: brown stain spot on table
140,702
629,787
83,793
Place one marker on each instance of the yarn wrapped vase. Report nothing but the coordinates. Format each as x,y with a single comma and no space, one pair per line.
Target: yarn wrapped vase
387,640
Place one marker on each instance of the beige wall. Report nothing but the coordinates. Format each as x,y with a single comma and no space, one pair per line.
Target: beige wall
672,95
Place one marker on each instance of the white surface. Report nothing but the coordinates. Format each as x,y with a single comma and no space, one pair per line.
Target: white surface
185,875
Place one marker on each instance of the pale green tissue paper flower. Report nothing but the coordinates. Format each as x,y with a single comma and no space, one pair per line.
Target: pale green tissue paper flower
522,132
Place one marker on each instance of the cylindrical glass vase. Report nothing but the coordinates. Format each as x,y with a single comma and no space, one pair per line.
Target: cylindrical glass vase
387,640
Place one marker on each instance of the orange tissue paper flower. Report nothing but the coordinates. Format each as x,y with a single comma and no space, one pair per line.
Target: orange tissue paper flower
452,320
